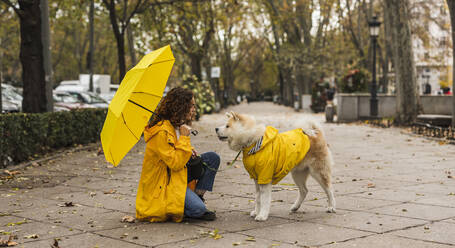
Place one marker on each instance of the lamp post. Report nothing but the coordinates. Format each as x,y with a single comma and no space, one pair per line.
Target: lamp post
374,32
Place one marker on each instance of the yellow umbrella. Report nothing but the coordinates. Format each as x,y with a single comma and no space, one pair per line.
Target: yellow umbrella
136,98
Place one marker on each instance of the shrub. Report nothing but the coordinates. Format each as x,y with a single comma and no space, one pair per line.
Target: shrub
25,136
355,81
203,95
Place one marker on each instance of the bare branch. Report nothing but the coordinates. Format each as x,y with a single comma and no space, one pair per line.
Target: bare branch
18,11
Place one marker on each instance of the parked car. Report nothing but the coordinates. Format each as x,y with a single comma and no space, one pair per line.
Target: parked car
11,95
9,107
65,101
90,98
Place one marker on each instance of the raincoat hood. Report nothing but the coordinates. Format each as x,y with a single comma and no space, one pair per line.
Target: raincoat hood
275,154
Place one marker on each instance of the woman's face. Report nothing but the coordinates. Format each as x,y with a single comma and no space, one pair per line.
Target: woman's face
192,113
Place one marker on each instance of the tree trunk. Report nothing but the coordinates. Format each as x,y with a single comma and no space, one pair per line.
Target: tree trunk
129,33
407,95
31,56
91,48
46,39
196,68
121,55
451,5
1,75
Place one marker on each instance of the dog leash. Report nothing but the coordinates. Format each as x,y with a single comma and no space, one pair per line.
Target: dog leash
235,159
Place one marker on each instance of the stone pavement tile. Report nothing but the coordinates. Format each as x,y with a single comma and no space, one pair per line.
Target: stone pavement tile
82,240
390,195
152,234
305,212
385,241
231,203
306,233
447,200
98,199
441,232
22,229
419,211
369,222
228,240
50,192
53,213
35,181
236,221
289,194
234,189
432,188
18,204
105,185
90,221
451,220
352,203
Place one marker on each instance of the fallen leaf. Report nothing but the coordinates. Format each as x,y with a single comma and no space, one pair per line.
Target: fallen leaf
404,210
426,227
32,236
55,244
112,191
92,194
236,243
128,219
66,204
12,173
371,185
251,239
215,235
9,242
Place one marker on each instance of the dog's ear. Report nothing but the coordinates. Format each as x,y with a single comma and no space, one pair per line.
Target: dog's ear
235,116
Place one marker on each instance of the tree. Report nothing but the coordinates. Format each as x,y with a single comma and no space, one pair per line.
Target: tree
451,5
407,94
193,29
120,18
31,55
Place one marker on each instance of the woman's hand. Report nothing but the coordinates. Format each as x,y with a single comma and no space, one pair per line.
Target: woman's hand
185,130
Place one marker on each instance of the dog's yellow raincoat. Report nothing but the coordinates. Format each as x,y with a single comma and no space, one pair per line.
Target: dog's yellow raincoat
161,191
274,156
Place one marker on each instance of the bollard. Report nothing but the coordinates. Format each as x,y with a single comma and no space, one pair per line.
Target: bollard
329,113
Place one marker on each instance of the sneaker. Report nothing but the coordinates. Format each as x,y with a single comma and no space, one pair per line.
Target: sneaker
208,215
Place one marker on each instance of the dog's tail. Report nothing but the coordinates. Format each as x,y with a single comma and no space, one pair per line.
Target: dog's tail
310,127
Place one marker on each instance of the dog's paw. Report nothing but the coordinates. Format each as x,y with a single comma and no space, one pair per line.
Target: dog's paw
253,213
261,218
331,210
294,208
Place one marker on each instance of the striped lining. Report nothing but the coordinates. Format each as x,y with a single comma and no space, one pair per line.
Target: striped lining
256,147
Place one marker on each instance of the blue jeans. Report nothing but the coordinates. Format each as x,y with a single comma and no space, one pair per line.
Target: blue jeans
194,206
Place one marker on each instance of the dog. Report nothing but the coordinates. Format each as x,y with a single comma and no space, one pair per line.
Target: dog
269,156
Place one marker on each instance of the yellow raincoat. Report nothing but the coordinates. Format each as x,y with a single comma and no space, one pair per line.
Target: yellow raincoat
274,156
163,183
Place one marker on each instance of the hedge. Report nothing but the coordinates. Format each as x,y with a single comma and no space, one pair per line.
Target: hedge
25,136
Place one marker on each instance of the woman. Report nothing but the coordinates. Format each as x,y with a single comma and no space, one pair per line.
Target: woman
163,192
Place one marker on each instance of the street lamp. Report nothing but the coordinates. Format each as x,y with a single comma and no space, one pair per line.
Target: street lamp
374,33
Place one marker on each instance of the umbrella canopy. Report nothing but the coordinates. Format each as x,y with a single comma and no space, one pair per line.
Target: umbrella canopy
136,98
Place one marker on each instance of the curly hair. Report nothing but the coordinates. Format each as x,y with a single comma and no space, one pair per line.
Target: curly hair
173,107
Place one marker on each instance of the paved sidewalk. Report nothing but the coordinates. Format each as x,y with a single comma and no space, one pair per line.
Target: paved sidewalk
392,190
